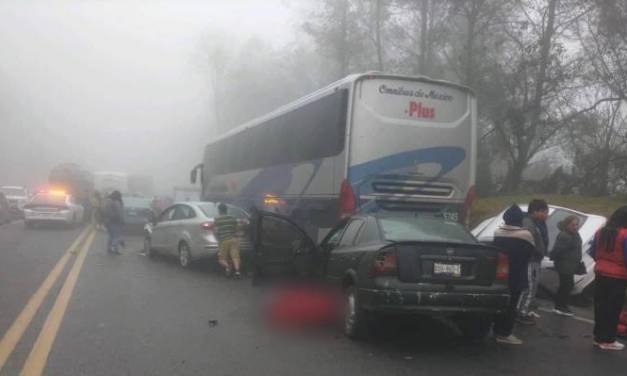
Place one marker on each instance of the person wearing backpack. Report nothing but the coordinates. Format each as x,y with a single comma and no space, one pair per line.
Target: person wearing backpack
114,219
566,254
518,244
610,254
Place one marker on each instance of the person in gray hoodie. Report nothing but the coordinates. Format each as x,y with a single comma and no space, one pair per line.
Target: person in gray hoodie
535,222
566,254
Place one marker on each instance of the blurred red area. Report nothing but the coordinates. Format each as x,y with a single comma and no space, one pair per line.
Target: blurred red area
303,306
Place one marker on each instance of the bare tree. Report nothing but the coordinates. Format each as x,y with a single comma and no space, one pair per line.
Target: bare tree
333,25
598,141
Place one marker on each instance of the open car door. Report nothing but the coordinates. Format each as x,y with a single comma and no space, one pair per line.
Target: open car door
282,250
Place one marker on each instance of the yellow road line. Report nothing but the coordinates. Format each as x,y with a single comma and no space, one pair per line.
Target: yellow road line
23,320
36,361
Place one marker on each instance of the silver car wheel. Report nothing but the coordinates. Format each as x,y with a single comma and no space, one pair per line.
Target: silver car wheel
184,255
350,313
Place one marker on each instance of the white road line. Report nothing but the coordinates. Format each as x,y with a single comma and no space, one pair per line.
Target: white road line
588,321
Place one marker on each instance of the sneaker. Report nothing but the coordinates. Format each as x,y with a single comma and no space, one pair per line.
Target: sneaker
534,315
525,320
563,312
509,340
615,346
238,275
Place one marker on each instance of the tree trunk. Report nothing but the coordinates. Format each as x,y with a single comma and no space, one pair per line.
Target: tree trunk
378,46
342,46
424,23
545,49
471,18
514,176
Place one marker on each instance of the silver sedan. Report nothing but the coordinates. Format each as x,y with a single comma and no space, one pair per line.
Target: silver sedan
186,230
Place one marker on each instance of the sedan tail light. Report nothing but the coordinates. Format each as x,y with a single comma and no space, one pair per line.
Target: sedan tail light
385,263
208,226
502,267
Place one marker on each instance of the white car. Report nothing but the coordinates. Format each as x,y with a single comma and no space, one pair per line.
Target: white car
549,279
17,197
53,207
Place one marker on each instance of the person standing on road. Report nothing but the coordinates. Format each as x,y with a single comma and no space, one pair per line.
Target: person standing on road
228,245
610,253
518,243
114,218
535,222
566,254
96,210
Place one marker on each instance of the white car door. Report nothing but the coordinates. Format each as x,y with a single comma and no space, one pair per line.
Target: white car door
159,235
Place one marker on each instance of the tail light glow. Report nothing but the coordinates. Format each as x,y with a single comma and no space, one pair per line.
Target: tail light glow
348,202
385,263
468,201
208,226
502,267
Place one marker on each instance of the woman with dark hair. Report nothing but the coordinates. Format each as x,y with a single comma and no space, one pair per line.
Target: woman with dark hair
566,254
610,254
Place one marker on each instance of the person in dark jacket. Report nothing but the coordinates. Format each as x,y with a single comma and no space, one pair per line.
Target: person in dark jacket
114,219
518,243
535,222
610,254
566,254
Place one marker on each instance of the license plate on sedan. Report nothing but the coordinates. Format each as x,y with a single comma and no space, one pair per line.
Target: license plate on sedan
454,270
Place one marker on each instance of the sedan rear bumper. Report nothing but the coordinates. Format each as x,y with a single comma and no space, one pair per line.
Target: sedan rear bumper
422,302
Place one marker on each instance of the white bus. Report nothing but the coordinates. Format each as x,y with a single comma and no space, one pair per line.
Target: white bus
368,142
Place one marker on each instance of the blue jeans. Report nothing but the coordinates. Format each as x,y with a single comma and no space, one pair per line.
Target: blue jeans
115,233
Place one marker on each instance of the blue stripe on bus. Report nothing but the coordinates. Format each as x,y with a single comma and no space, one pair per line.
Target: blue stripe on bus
447,157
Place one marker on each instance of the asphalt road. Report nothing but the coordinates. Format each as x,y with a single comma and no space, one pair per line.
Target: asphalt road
132,315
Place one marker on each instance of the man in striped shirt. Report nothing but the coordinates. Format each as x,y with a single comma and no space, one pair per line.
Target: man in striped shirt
228,245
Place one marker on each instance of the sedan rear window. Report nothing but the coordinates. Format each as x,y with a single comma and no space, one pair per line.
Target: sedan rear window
48,199
424,229
209,209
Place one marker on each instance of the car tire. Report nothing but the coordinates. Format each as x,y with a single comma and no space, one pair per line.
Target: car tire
356,319
148,247
475,327
185,255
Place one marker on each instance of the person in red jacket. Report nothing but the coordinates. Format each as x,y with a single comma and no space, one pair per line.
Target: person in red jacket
610,254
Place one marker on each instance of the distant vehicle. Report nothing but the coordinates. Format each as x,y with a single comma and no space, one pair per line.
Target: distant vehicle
185,230
53,207
391,263
549,279
160,203
140,185
5,210
76,181
106,182
17,197
186,194
137,212
369,142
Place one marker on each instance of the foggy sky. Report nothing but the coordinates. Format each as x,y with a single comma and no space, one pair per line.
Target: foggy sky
114,85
